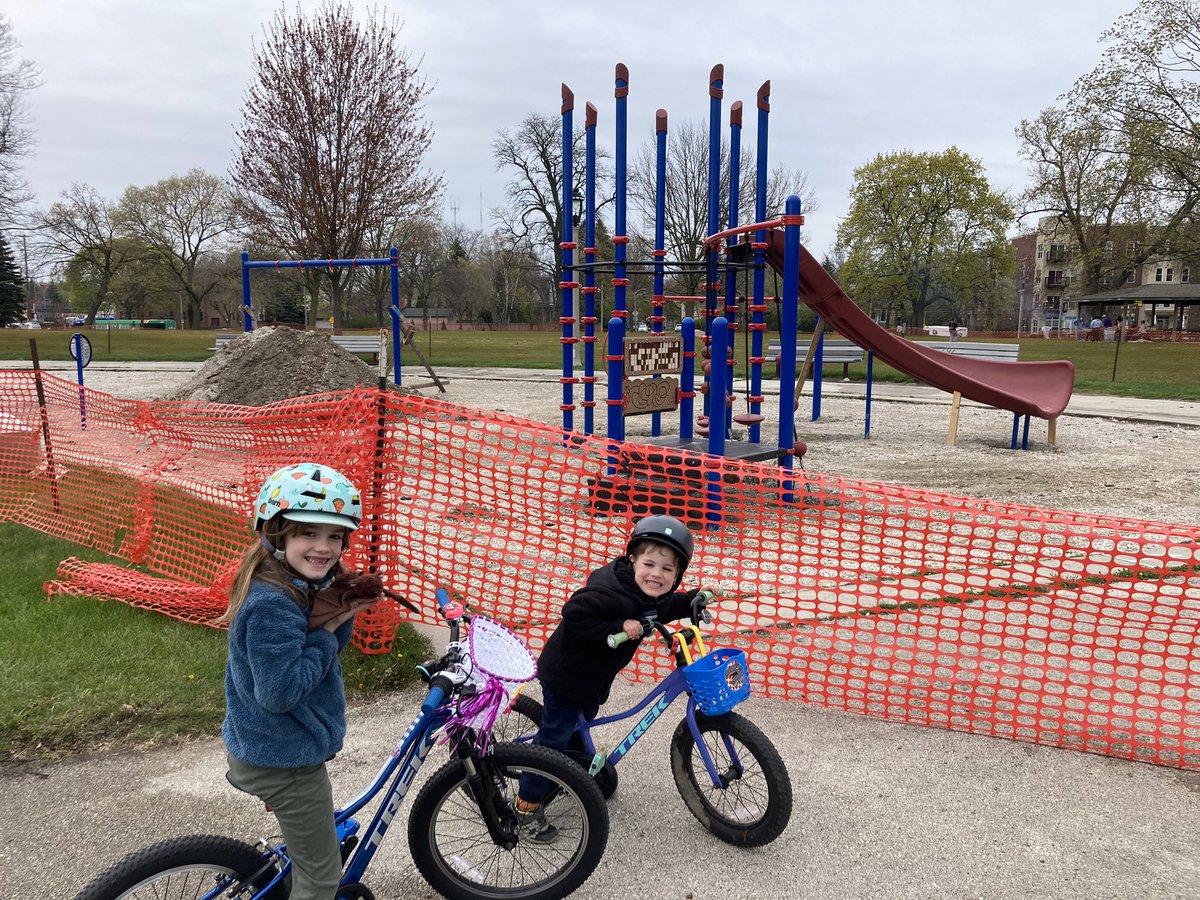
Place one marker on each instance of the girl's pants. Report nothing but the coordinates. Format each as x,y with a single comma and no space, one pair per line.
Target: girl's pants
302,801
560,718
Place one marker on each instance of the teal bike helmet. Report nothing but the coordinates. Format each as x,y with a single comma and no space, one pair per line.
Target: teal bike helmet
309,492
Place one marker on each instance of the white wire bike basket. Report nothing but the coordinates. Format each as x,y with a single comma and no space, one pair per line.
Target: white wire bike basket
505,663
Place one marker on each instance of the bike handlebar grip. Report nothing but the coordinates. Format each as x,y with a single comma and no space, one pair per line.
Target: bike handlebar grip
434,698
616,640
443,598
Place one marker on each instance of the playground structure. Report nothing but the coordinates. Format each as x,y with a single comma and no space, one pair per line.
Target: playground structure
1040,389
400,333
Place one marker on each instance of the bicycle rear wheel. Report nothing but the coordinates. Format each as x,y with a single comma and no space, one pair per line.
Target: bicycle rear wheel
454,851
185,868
753,803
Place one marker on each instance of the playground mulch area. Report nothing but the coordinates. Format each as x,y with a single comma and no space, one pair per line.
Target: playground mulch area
1102,466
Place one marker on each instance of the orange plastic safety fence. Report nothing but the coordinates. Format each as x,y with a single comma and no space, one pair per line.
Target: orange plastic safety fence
1056,628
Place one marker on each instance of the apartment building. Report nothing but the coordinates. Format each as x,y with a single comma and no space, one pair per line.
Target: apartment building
1051,284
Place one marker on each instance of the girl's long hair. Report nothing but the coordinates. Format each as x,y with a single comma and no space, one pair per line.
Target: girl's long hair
259,565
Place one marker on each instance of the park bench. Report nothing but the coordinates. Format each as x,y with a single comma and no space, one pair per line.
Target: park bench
364,344
833,350
976,350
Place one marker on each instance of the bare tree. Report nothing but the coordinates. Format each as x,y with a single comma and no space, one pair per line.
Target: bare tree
17,78
685,219
533,214
80,231
332,138
179,219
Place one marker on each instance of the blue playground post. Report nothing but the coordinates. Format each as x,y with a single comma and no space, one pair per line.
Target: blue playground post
616,377
817,375
716,80
620,234
731,298
589,276
568,284
394,309
248,323
660,226
792,219
759,308
687,380
717,399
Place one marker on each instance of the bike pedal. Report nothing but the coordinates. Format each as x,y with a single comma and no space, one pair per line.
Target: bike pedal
598,762
348,846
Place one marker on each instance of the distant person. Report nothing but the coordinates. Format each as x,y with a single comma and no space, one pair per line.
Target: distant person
1106,321
953,331
901,328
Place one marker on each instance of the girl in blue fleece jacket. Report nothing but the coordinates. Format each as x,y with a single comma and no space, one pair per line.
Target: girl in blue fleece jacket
285,705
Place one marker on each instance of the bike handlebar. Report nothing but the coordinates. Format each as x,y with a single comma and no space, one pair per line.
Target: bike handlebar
699,611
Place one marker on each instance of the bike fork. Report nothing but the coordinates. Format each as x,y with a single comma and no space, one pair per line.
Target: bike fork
481,784
719,779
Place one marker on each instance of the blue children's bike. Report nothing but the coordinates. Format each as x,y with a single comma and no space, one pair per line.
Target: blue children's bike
728,772
463,832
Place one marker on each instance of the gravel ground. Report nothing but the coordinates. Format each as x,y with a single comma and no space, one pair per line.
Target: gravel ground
881,810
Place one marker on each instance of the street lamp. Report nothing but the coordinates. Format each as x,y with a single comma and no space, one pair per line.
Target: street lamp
577,203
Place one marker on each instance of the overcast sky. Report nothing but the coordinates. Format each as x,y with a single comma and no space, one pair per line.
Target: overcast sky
138,90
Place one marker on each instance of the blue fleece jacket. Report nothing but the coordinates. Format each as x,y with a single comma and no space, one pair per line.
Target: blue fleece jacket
284,702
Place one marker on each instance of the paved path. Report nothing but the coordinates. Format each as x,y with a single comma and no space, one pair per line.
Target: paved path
881,811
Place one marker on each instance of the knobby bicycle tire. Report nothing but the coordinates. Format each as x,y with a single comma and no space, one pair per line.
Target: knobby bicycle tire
453,850
182,868
753,805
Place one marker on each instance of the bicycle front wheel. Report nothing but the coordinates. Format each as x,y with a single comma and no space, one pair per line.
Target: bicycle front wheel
752,804
454,851
186,868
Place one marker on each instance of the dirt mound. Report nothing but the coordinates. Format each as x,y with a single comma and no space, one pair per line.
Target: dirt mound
271,364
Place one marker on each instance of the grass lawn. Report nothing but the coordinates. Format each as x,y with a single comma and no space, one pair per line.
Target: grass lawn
77,674
1154,370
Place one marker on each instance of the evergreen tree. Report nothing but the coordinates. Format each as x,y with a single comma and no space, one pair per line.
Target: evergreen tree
12,294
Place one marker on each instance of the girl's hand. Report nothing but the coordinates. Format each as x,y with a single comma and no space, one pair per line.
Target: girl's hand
632,628
354,606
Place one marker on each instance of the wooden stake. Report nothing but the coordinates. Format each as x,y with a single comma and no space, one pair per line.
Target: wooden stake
954,404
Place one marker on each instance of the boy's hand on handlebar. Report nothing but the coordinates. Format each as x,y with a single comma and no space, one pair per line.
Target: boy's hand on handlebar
632,629
700,601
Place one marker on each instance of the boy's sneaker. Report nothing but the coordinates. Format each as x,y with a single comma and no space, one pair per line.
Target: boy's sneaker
532,825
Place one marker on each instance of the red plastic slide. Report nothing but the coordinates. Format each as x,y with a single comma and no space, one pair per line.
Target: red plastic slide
1040,389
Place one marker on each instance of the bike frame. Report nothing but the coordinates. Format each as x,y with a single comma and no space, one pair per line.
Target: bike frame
661,696
401,767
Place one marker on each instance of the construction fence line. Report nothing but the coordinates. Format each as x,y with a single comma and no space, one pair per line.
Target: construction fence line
1056,628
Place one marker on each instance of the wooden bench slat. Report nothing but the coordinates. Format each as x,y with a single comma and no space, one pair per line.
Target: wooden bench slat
833,350
977,349
355,343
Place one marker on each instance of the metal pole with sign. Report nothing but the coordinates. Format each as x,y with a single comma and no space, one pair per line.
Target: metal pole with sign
81,352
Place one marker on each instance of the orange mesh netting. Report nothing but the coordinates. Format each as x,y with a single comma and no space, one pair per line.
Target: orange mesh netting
1057,628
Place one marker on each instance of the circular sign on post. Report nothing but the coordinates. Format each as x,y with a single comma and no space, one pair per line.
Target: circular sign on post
81,349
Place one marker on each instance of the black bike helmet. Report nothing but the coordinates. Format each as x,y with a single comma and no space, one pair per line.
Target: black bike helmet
665,530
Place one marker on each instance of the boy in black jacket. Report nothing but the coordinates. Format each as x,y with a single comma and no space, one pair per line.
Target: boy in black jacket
577,667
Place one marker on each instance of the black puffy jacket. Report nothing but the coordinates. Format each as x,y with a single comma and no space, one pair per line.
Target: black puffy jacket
577,662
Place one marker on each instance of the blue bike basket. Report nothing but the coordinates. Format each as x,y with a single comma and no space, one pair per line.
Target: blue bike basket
718,681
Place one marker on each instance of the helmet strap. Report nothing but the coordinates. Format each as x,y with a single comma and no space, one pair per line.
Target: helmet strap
272,551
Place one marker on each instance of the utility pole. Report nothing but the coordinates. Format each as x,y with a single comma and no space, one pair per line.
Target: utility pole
30,294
